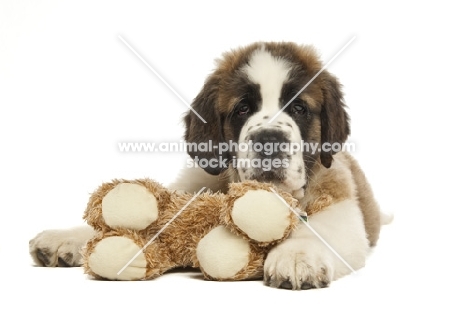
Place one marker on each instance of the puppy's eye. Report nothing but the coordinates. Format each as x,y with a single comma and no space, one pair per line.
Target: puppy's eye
243,109
298,108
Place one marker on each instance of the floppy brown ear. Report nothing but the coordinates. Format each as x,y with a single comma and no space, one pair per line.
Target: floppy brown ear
333,117
197,132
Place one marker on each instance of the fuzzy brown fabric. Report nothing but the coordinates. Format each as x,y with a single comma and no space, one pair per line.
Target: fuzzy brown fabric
176,244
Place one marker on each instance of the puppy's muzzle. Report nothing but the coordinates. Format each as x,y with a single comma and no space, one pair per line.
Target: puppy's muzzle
268,143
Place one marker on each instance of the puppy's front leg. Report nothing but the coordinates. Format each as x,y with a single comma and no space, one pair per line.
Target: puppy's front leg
60,247
304,261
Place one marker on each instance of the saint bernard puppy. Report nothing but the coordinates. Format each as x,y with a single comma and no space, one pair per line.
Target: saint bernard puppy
259,96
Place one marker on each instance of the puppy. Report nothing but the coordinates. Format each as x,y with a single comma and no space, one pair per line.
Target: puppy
264,121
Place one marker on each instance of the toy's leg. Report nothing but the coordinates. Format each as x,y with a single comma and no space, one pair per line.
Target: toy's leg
126,255
223,255
255,218
126,214
115,258
129,205
261,215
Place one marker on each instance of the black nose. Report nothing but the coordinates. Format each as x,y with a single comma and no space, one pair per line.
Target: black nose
269,143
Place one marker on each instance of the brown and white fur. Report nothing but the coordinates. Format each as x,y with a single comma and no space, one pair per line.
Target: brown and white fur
238,100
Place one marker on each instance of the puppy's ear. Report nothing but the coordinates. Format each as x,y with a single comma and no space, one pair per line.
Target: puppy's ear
200,135
333,117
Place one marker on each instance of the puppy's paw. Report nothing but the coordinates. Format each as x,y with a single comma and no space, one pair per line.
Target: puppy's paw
294,265
59,248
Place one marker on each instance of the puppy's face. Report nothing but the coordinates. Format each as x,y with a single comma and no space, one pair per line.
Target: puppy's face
264,120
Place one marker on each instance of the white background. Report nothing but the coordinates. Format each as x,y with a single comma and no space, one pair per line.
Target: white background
70,91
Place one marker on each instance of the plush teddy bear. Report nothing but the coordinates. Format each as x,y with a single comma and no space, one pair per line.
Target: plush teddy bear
144,230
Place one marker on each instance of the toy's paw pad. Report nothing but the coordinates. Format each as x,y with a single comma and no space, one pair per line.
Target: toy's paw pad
298,269
222,254
59,248
262,215
112,254
129,205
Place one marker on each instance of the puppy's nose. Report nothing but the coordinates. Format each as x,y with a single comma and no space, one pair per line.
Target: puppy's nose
267,143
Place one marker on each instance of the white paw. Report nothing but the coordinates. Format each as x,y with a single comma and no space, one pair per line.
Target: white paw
295,265
306,261
59,248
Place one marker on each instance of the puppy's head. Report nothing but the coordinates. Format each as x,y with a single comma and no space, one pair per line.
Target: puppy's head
264,118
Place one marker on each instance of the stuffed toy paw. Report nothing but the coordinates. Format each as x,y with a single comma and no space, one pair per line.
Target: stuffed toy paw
144,230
